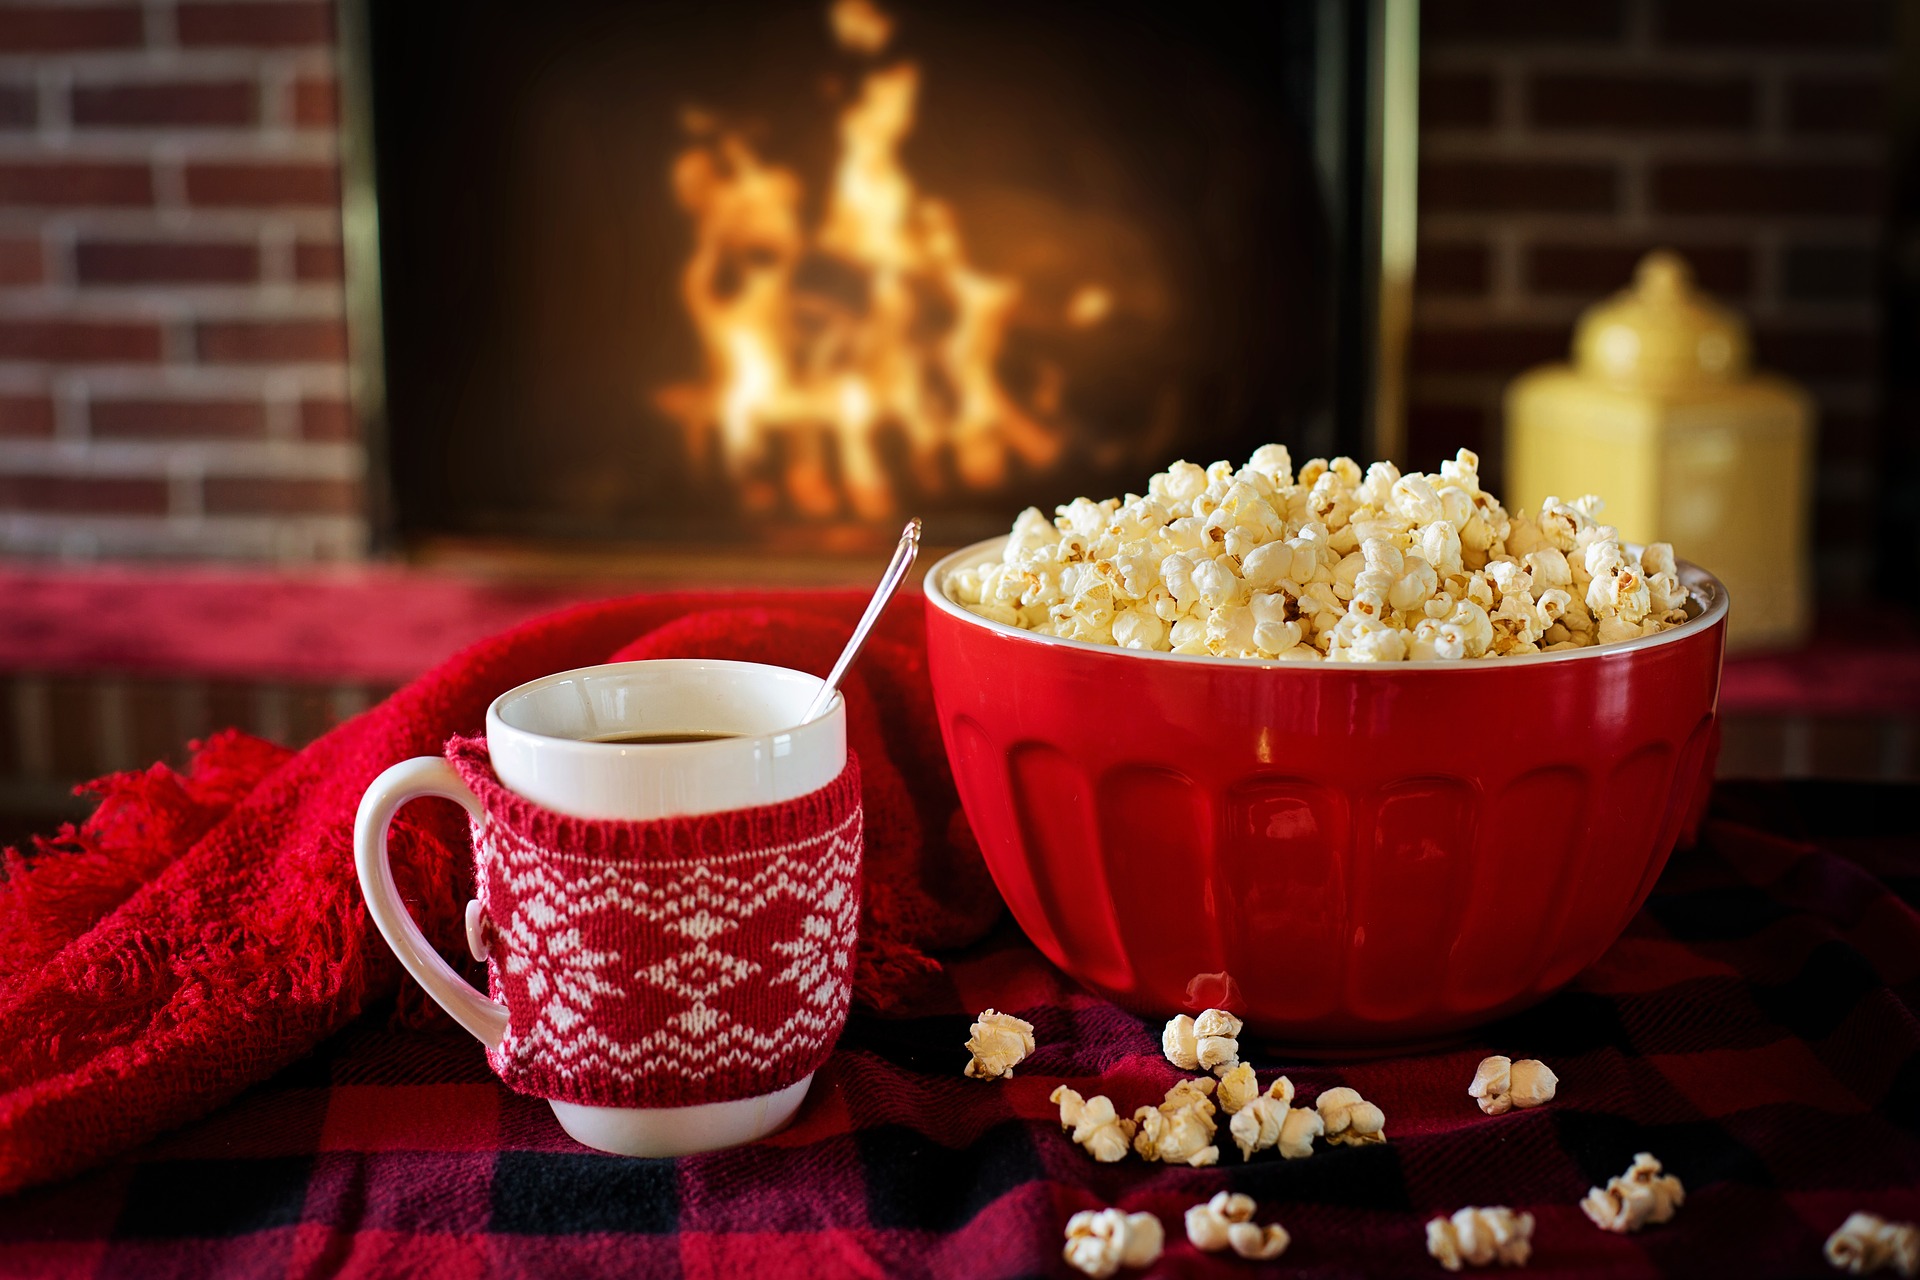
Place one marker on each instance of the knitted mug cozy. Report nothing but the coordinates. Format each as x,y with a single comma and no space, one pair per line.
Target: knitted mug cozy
666,963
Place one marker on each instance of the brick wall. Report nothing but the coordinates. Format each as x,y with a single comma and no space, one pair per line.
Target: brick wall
1559,141
172,349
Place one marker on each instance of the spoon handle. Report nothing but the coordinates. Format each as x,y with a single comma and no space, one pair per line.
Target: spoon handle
889,583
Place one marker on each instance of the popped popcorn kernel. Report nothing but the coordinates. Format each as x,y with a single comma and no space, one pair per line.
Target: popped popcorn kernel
1861,1245
1207,1224
1258,1243
999,1041
1258,1123
1500,1084
1481,1237
1206,1043
1639,1197
1100,1243
1180,1130
1237,1088
1349,1119
1328,563
1107,1137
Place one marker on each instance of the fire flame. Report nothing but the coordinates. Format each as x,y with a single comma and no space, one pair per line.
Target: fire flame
874,319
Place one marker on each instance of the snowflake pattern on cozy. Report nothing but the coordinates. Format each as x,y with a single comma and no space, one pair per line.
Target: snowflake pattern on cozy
661,971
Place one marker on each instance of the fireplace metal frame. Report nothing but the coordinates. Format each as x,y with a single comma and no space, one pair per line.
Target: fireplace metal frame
1377,81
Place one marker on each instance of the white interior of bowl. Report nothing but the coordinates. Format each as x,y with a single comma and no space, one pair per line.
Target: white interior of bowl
1705,594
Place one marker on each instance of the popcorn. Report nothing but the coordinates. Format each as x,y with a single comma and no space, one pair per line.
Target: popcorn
1206,1043
1271,1120
1481,1237
1860,1246
1224,1222
999,1041
1180,1130
1500,1084
1207,1223
1640,1196
1106,1136
1349,1119
1237,1088
1100,1243
1328,564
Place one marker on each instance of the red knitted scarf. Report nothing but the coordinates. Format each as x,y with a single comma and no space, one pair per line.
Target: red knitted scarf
203,930
666,963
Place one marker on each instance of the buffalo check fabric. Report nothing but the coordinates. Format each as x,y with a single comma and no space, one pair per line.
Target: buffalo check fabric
1755,1029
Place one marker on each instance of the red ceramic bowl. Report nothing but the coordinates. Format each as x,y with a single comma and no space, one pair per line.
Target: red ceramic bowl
1344,855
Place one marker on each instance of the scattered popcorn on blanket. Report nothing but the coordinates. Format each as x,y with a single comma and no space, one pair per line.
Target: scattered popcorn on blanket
1329,564
1350,1119
1100,1243
1259,1243
1480,1237
1237,1088
1225,1222
1206,1043
999,1041
1639,1197
1862,1245
1207,1223
1500,1084
1180,1130
1271,1120
1106,1136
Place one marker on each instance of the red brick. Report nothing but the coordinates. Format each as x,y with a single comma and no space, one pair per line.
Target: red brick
168,104
1641,103
316,103
1456,99
1819,104
247,496
55,28
1776,24
177,419
79,340
1450,267
265,185
22,261
318,260
269,341
1747,189
1445,22
75,182
1818,354
83,495
255,26
1517,186
166,261
27,415
326,420
19,106
1500,349
1593,270
1831,272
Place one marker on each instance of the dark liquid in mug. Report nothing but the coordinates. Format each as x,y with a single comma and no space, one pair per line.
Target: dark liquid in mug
697,735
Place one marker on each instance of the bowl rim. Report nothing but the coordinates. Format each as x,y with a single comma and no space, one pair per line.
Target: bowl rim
1708,591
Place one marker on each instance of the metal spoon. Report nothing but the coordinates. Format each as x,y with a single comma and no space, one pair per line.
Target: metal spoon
889,583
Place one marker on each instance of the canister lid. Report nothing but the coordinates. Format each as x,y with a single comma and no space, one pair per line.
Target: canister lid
1661,334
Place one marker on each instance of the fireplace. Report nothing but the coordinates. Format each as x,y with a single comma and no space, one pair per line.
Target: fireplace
774,275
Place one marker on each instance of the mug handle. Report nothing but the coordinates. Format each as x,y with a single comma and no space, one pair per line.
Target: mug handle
410,780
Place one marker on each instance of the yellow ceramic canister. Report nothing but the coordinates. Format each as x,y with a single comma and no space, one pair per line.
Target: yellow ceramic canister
1661,415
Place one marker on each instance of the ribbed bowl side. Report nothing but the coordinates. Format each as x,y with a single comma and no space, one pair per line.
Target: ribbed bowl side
1343,856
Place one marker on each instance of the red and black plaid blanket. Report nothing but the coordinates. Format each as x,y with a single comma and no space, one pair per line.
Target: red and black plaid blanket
1755,1029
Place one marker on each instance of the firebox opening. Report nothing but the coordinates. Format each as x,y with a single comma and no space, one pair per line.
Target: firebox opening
776,274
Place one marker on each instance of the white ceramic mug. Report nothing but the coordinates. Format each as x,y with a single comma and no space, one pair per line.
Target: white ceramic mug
539,740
